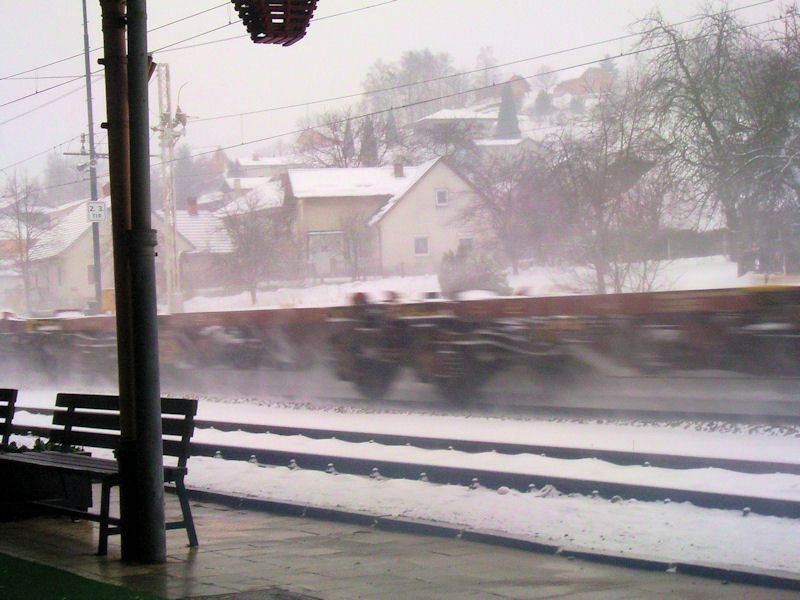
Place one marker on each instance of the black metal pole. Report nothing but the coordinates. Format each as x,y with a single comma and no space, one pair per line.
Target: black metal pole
141,252
115,62
92,161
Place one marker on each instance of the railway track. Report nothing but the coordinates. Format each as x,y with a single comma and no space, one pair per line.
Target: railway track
471,475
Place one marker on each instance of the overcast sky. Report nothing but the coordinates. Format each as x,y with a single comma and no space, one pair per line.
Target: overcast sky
238,76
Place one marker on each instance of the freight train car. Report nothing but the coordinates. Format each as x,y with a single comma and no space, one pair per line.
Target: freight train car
456,346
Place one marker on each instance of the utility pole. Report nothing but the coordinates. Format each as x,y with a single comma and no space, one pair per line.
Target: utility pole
170,129
98,288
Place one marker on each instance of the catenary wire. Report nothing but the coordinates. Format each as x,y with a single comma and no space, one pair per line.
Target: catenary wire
460,73
80,54
441,97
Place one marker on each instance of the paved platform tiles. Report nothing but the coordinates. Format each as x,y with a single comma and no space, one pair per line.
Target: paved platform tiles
247,555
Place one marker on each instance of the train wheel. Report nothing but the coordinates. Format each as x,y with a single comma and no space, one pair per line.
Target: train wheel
373,378
458,377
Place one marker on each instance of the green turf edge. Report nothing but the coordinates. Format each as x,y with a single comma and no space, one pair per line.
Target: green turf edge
25,580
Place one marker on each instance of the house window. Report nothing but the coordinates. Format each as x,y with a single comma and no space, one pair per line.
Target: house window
442,198
421,246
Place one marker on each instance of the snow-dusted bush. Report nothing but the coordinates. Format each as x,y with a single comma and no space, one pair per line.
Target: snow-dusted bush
469,269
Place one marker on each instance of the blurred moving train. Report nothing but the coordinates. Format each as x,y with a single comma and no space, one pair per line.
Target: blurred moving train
456,346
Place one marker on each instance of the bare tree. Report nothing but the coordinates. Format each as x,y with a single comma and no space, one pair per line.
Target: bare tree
513,190
24,223
340,139
423,79
262,241
695,85
727,98
358,243
595,168
545,78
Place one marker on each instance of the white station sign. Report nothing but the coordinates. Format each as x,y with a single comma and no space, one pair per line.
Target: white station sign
96,211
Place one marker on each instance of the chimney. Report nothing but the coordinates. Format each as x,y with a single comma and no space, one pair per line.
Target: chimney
398,169
191,206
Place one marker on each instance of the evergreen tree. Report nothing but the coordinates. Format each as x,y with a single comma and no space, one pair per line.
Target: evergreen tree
368,154
507,122
543,105
392,137
348,145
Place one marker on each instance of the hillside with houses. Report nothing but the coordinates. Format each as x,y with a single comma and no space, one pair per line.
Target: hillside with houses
589,171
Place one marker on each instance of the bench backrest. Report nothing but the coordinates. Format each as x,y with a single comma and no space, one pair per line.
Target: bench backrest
92,420
8,398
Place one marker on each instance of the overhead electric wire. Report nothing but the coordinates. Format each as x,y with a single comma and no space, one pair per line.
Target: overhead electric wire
32,156
80,54
47,89
193,37
454,94
244,35
463,73
161,49
187,17
48,103
38,77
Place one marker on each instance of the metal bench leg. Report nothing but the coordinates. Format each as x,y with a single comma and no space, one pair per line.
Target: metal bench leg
188,521
105,502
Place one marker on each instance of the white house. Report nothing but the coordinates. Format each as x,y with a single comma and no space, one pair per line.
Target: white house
409,215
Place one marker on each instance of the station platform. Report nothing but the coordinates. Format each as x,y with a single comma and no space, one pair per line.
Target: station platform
253,555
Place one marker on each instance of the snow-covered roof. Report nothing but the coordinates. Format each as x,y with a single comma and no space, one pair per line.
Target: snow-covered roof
71,224
67,228
203,230
267,195
210,198
495,142
391,202
244,183
269,161
462,114
354,182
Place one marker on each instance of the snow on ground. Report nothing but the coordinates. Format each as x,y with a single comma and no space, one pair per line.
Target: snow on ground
682,274
663,530
667,531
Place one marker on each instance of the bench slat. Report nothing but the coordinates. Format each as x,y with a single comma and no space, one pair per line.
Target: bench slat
96,439
110,421
79,462
169,406
94,401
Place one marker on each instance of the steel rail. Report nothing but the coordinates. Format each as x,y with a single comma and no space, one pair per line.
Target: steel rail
488,478
494,479
617,457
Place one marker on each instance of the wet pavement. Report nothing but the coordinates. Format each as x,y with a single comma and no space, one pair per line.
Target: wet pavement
253,555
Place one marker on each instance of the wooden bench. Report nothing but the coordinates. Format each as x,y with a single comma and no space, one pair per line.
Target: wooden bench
92,421
8,398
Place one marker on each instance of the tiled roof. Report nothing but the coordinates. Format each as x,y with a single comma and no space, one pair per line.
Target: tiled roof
204,231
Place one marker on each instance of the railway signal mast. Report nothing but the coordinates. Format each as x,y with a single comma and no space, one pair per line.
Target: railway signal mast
170,128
